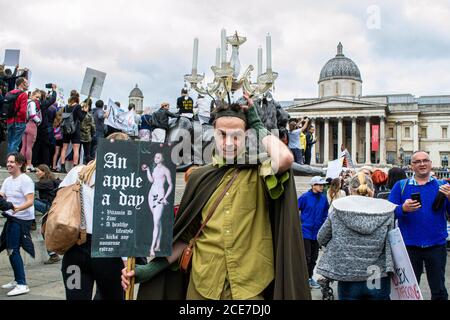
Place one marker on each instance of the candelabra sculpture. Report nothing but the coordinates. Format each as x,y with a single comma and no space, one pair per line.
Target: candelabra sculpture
226,73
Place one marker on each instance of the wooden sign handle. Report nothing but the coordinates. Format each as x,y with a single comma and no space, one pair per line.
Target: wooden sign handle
131,264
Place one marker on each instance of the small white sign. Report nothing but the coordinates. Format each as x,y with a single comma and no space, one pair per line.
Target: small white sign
93,83
12,57
335,168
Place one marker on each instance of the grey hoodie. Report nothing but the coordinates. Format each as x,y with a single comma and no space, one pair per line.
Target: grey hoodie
356,237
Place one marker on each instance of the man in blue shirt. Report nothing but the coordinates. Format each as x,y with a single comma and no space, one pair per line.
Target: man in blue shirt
423,228
313,206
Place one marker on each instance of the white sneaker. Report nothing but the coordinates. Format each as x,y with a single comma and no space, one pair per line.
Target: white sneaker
10,285
19,289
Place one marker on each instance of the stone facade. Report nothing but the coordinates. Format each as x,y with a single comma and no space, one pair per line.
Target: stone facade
342,115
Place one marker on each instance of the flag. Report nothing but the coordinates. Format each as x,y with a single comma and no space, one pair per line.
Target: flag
375,137
119,119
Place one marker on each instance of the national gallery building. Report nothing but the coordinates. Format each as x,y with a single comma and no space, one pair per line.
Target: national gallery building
376,129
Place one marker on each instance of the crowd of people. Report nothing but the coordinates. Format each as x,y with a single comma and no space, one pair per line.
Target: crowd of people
261,232
350,217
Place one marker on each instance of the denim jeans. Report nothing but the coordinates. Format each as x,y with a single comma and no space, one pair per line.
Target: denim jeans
435,259
41,205
359,290
13,235
298,155
15,133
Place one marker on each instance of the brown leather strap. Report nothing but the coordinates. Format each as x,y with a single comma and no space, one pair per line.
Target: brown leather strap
214,207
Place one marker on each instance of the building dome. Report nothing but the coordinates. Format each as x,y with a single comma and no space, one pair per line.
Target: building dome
340,67
136,93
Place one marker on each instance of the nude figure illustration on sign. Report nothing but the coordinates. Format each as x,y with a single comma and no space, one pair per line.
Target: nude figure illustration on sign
157,197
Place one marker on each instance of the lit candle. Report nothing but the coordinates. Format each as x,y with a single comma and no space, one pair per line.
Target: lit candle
218,57
195,57
224,46
259,61
269,52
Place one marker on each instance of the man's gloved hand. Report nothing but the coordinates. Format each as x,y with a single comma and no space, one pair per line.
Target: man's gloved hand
253,120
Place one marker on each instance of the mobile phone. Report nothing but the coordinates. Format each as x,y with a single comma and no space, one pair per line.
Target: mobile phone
48,85
416,197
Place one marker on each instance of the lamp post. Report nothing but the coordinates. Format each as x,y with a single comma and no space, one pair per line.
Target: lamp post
402,158
227,76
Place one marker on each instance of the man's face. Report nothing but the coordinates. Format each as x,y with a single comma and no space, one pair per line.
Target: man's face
12,166
421,164
25,85
229,135
317,188
312,129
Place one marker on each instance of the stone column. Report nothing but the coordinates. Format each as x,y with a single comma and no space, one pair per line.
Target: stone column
354,141
416,136
368,140
382,140
313,148
340,135
398,124
326,141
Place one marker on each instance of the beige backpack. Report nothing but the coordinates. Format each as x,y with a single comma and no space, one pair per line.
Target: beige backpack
65,224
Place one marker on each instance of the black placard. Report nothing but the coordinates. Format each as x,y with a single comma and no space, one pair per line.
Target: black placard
126,201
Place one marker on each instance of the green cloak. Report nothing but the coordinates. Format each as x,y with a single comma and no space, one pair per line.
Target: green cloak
291,273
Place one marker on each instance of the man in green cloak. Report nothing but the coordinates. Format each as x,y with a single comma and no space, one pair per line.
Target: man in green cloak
251,247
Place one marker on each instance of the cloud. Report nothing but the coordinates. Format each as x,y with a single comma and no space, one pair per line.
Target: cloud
150,42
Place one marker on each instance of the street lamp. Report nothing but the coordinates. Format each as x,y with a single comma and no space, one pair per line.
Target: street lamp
402,156
226,73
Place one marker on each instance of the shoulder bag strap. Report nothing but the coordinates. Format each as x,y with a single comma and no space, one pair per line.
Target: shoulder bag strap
214,207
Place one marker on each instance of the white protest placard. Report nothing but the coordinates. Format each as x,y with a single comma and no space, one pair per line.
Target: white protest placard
119,119
335,168
12,57
404,284
93,83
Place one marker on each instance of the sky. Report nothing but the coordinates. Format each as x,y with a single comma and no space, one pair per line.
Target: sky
400,46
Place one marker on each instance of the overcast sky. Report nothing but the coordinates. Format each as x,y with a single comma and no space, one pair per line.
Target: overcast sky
399,46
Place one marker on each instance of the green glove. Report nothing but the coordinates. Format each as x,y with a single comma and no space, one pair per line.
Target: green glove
254,122
148,271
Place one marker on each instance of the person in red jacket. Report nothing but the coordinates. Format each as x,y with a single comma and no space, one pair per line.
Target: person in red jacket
16,125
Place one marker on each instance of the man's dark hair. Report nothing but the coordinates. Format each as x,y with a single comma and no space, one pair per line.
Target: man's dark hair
20,159
99,104
184,91
20,81
224,109
8,72
131,106
117,103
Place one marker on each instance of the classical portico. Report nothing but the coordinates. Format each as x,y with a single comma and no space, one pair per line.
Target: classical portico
340,121
342,115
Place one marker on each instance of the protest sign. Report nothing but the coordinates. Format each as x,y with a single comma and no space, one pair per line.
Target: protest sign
134,195
12,57
404,284
121,120
335,168
93,83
